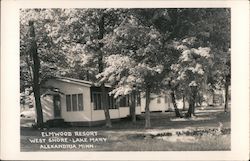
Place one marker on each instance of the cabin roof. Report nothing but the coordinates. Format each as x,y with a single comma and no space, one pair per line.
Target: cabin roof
79,82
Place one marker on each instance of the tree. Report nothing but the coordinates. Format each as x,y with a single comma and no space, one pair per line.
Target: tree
132,106
50,33
210,28
40,56
191,68
36,67
140,47
220,38
172,86
75,37
117,74
90,28
100,68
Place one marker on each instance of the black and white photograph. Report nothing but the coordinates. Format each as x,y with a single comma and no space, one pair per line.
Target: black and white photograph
121,81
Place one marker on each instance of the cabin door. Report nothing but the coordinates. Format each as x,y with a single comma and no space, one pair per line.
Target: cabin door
57,106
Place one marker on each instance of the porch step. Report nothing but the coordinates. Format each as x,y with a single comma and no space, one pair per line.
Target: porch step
56,123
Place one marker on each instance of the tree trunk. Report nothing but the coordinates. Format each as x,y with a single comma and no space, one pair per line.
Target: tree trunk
183,100
30,68
191,108
101,66
213,98
133,106
105,106
199,99
226,93
147,111
36,86
177,112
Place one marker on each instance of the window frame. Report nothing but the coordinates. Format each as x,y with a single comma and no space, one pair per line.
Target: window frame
124,101
71,103
68,108
97,101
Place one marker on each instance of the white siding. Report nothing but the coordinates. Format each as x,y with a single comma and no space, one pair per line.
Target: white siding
47,105
157,103
88,114
138,110
124,112
98,115
70,88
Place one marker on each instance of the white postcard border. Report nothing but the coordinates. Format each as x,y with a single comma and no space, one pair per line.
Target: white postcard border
10,121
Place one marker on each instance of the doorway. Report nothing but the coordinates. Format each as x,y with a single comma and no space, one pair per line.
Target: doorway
57,106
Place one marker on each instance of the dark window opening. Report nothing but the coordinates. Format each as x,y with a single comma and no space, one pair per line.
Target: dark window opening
112,103
68,102
124,101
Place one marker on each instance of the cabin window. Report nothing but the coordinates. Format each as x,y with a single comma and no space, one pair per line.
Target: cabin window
68,102
80,102
74,102
112,102
124,101
97,101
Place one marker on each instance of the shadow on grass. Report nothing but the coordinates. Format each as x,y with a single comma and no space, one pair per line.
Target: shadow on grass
126,136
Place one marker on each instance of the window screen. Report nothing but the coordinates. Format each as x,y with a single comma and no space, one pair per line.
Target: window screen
68,102
80,102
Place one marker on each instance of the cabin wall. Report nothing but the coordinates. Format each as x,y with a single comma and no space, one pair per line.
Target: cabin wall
138,110
121,112
124,112
88,114
48,109
157,103
98,115
70,88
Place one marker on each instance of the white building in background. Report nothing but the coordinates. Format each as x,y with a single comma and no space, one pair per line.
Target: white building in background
161,103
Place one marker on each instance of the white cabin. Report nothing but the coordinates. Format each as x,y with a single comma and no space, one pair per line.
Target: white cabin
161,103
79,102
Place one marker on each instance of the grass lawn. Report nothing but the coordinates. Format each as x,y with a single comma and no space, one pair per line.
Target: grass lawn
209,130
